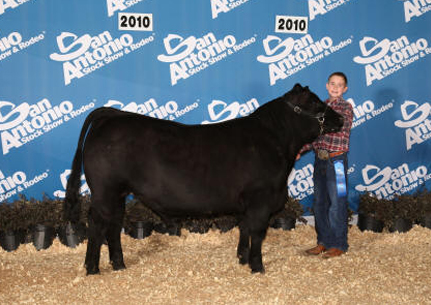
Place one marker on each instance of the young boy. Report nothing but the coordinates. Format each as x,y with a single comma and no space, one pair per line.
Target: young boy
330,202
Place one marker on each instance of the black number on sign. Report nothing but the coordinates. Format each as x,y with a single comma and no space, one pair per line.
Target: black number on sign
123,21
290,24
145,21
132,21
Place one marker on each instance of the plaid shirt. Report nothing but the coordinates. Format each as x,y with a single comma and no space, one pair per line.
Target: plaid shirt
336,141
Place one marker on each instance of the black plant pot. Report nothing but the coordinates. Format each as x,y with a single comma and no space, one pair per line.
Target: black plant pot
43,236
10,240
367,222
71,235
401,225
426,221
139,229
285,223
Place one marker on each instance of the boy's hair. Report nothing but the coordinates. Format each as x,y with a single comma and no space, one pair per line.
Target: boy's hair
341,74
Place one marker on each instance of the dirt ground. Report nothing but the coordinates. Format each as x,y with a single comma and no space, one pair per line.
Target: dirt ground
379,268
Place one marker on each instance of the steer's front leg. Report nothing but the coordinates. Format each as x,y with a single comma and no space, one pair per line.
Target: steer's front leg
243,251
256,264
257,221
114,244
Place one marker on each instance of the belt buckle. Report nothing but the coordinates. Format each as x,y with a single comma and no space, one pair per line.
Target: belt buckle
323,154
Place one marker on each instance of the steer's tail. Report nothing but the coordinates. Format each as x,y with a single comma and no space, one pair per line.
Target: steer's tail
72,205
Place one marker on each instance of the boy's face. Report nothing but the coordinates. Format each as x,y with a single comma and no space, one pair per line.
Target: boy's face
336,87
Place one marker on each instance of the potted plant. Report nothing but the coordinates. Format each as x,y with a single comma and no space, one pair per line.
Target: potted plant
139,221
14,223
9,238
373,212
286,218
71,234
45,215
405,210
424,203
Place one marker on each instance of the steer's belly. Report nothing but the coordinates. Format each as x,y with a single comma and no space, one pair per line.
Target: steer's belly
187,199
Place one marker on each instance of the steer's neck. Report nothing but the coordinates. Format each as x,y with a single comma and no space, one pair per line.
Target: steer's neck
293,130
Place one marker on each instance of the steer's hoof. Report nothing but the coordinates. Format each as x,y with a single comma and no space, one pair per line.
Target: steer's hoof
244,256
258,270
118,266
94,270
243,260
257,266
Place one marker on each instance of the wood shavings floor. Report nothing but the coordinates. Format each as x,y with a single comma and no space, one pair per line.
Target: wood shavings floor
379,268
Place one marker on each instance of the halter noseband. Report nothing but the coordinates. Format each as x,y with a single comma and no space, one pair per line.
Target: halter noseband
320,116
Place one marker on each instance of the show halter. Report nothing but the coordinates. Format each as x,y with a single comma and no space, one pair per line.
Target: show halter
320,116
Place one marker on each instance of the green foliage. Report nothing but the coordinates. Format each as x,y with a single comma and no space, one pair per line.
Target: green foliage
23,213
293,209
406,207
137,211
46,212
424,202
85,202
379,208
15,215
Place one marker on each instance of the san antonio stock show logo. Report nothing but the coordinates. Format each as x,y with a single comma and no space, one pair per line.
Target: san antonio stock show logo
289,56
191,55
385,57
86,54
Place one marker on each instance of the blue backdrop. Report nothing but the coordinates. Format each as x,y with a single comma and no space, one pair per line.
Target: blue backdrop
205,61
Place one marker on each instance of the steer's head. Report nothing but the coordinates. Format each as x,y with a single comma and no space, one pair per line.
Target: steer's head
307,104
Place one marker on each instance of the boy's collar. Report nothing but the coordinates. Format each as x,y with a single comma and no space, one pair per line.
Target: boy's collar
329,101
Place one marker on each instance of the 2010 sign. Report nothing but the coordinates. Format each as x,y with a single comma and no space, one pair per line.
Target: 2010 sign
291,24
135,22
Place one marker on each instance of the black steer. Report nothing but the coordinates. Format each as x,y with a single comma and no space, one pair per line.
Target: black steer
237,167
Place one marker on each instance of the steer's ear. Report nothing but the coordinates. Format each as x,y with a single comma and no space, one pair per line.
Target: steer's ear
297,87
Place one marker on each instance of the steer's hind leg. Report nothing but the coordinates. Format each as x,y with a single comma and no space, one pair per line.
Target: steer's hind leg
105,221
257,236
96,232
113,236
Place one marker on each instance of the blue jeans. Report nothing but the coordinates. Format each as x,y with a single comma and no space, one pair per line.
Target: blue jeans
330,210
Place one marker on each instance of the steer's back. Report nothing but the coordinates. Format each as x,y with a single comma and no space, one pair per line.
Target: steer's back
182,168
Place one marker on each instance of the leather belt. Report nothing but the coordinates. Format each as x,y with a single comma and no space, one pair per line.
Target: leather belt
323,154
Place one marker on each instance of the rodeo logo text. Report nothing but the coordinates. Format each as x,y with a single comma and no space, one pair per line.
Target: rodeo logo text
289,56
24,123
17,182
416,123
87,54
385,57
388,182
169,111
197,54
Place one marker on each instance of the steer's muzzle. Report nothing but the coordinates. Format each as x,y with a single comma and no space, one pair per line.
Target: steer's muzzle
335,123
340,122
